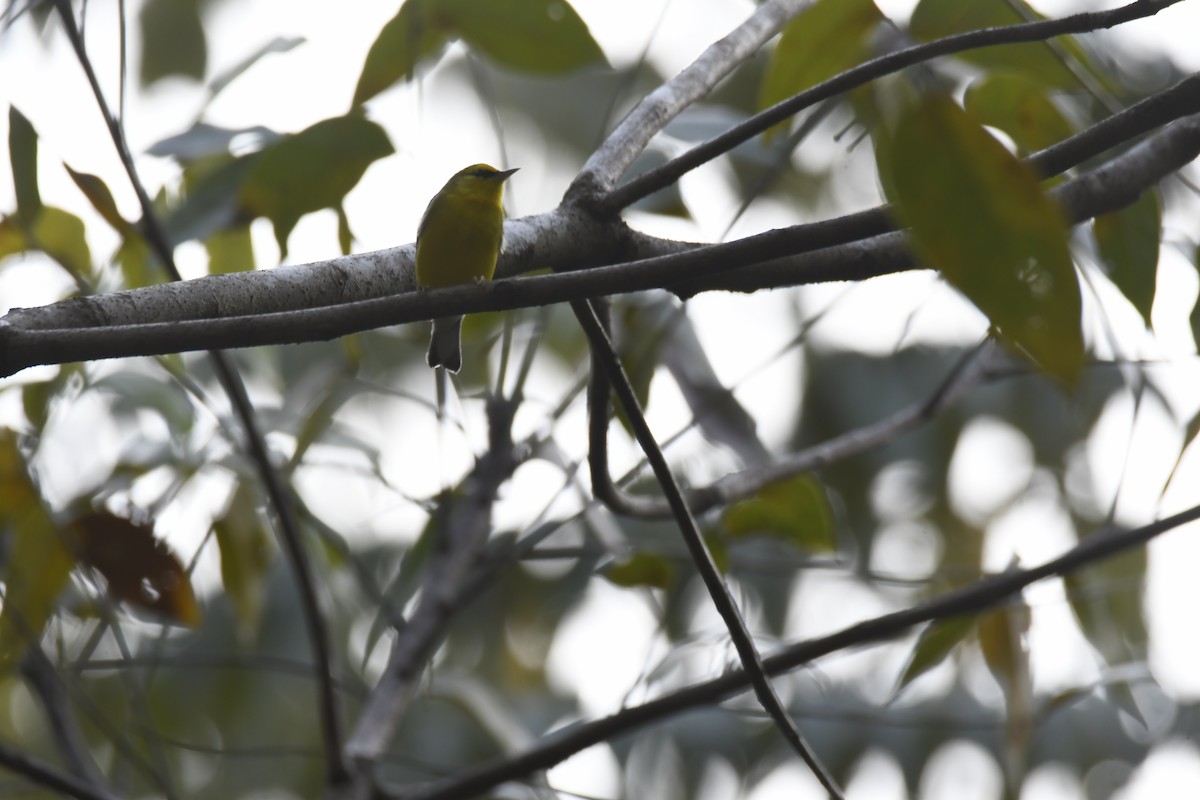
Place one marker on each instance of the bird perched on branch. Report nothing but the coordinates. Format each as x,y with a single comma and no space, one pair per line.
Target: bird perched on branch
458,241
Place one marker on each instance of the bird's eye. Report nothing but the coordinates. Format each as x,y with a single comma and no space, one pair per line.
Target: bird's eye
481,173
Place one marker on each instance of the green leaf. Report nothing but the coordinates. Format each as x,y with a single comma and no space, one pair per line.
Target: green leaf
97,192
1018,106
1107,601
172,40
978,215
541,36
280,44
642,569
825,39
230,250
415,34
1191,431
345,235
60,235
23,154
937,640
311,170
1128,243
37,563
246,550
796,510
935,19
211,191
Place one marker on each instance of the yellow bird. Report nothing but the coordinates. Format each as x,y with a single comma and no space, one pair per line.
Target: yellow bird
458,241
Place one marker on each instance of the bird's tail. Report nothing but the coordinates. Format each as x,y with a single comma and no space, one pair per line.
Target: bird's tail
445,349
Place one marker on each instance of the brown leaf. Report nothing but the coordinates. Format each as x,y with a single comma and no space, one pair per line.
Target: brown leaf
140,569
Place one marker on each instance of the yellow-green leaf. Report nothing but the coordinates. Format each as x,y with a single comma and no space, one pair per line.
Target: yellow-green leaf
540,36
230,250
173,41
977,214
413,35
937,640
1002,638
1128,243
97,192
825,39
935,19
1106,599
1020,107
37,563
796,510
57,233
23,154
642,569
246,550
311,170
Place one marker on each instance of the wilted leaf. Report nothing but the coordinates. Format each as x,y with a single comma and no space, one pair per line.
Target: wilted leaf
977,214
172,40
1128,244
139,568
311,170
539,36
642,569
937,640
1019,107
825,39
796,510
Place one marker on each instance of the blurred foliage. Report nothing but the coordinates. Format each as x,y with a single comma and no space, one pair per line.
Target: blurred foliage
101,538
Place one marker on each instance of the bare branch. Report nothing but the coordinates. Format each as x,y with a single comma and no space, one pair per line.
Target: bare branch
463,523
42,774
604,358
977,597
863,74
278,496
694,83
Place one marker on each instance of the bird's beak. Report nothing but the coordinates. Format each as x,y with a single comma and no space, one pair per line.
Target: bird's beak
503,176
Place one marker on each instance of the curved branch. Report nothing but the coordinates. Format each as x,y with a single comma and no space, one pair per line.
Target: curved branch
668,173
972,599
463,522
231,381
604,358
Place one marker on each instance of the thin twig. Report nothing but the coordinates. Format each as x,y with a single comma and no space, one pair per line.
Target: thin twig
610,160
864,73
964,376
289,533
972,599
463,523
48,777
605,358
